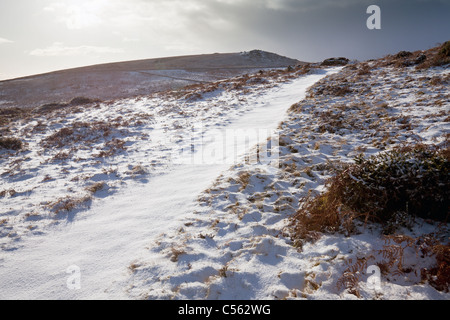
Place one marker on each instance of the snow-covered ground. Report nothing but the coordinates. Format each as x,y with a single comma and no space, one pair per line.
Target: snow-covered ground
119,208
142,192
236,242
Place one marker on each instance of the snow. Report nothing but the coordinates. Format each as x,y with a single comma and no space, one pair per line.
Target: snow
234,246
171,224
105,239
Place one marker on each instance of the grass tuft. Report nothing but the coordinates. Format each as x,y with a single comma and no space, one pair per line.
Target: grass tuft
10,143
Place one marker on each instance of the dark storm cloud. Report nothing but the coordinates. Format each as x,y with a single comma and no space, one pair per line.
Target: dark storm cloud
43,35
312,30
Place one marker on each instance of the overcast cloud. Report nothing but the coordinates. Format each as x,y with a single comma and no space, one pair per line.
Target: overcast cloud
43,35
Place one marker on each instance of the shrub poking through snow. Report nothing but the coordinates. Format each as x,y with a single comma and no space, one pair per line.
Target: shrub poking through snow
8,115
390,188
444,49
95,187
67,204
341,61
10,143
434,57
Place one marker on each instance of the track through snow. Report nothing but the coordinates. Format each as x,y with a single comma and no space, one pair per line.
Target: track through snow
105,240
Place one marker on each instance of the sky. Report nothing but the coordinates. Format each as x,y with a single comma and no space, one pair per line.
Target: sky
38,36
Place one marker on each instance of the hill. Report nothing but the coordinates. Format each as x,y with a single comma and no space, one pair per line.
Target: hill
134,78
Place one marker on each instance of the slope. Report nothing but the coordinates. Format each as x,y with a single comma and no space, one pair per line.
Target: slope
133,78
143,189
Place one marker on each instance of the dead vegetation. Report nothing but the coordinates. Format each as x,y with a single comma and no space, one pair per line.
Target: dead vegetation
243,83
390,188
392,191
10,143
438,276
244,179
78,132
176,253
111,148
341,61
8,115
392,261
10,192
435,57
68,204
336,90
95,187
82,134
138,170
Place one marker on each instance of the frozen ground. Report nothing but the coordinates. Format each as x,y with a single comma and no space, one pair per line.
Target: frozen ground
236,243
140,222
144,190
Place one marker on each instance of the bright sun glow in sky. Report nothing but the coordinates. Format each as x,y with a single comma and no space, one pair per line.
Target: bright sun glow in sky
45,35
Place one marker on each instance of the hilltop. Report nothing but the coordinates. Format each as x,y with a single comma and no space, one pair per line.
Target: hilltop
134,78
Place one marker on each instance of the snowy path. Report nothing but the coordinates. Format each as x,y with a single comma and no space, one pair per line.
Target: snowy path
104,241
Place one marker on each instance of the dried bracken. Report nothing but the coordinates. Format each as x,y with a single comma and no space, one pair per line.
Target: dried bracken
68,204
390,188
10,143
390,260
352,275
